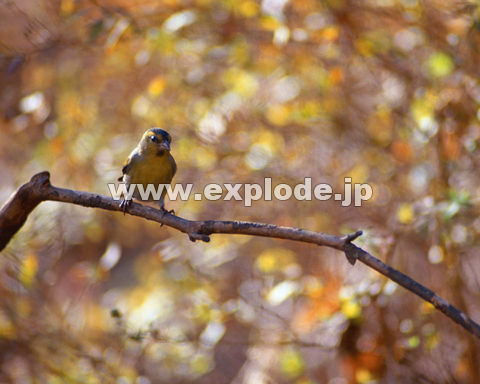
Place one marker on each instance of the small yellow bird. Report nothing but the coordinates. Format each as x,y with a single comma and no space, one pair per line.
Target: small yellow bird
149,163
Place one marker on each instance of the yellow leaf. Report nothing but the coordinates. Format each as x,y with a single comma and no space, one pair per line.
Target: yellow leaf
279,114
359,173
336,75
274,259
426,308
241,82
405,214
156,86
272,140
363,376
7,329
351,309
292,363
413,342
28,269
380,126
364,47
440,64
269,23
67,7
330,33
200,364
266,263
248,8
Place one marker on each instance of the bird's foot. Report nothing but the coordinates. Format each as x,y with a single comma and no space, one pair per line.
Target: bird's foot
125,204
165,211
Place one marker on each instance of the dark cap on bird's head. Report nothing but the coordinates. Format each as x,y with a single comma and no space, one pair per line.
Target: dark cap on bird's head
158,137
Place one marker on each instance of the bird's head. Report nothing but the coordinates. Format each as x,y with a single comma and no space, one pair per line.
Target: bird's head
156,140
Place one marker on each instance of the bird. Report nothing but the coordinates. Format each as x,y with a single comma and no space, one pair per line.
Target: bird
149,163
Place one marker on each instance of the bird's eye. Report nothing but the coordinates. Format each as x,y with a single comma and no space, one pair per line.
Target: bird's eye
154,139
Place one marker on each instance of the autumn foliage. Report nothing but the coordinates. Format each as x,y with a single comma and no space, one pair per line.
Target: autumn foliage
383,91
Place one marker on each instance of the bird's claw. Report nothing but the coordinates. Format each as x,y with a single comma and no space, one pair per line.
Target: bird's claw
165,212
125,204
170,212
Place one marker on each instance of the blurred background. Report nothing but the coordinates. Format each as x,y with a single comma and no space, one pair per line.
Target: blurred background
382,91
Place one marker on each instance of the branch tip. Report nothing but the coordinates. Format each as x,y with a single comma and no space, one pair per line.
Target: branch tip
42,178
352,236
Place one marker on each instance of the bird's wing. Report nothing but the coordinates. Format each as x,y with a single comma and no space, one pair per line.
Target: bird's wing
128,164
174,166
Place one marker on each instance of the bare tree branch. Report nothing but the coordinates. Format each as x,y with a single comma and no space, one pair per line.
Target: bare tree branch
16,210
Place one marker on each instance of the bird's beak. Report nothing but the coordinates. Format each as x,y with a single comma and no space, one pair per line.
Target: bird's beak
164,146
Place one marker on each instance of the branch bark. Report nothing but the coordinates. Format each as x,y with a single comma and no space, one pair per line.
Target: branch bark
16,210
